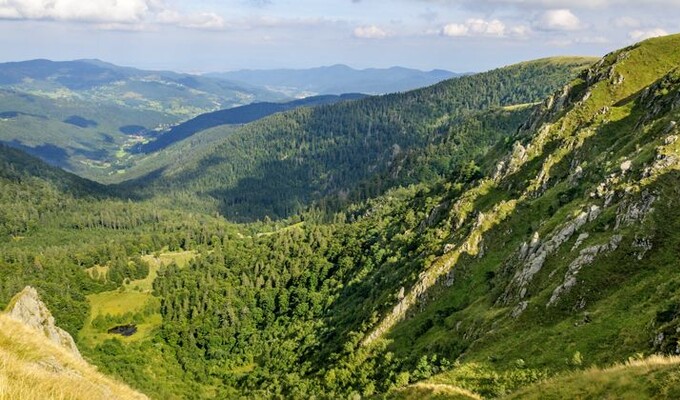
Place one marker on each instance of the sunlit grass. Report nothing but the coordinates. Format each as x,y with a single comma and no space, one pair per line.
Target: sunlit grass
32,367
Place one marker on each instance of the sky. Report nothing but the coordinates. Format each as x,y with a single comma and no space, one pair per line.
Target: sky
222,35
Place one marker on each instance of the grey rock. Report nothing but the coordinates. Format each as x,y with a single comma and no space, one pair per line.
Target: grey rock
626,166
579,240
536,253
519,309
585,257
631,212
29,309
644,244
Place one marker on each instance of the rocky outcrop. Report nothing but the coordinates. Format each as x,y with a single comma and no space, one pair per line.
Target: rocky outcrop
585,257
632,212
534,254
27,307
441,269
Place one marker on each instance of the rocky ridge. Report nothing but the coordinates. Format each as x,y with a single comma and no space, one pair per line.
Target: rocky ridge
28,308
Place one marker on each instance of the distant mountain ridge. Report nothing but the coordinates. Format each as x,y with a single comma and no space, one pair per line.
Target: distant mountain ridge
89,73
338,79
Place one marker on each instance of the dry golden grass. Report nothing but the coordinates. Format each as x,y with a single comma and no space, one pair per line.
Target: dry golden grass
32,367
654,377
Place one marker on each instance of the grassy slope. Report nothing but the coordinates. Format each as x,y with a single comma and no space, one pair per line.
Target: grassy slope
651,378
433,391
588,325
32,367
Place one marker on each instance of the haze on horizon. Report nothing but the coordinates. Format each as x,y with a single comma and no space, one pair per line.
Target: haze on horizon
212,35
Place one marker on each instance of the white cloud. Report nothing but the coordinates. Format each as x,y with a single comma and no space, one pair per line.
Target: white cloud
455,30
370,32
475,27
548,4
519,31
116,11
557,20
108,14
640,34
484,28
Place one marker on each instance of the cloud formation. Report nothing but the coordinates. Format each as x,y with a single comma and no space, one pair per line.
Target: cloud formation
120,11
484,28
557,20
108,14
370,32
642,34
552,4
204,20
475,27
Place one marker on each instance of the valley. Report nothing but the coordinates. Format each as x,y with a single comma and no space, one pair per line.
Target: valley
499,235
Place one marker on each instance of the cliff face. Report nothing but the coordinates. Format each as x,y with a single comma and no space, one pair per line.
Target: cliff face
27,307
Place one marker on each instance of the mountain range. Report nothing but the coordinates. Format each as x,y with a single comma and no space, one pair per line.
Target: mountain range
91,117
508,234
337,79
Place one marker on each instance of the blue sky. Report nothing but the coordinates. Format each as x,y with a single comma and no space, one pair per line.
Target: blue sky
212,35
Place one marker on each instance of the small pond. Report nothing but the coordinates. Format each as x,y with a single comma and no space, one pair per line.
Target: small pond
124,330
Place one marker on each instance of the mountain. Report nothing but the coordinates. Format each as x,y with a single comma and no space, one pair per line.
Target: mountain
337,79
556,253
563,256
507,247
82,115
40,360
355,150
236,116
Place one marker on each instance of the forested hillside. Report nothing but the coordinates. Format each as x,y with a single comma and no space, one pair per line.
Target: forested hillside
355,150
235,116
492,236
